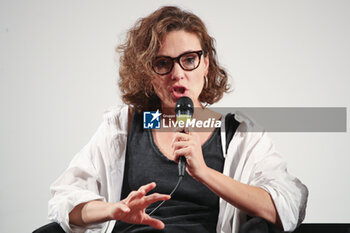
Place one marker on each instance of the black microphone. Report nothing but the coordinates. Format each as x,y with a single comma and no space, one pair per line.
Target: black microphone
183,111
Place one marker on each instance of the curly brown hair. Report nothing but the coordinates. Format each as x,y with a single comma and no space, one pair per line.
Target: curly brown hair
142,44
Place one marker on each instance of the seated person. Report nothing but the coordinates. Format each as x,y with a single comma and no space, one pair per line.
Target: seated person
232,172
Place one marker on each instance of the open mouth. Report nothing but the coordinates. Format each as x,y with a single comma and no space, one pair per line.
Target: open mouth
178,91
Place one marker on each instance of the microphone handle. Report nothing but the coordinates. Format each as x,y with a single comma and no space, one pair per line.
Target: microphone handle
182,163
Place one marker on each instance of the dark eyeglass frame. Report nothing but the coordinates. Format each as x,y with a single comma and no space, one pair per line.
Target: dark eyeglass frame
172,59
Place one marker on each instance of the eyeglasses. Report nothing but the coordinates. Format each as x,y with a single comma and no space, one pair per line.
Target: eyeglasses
188,61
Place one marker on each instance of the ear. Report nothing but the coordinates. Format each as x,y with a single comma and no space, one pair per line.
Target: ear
154,84
206,65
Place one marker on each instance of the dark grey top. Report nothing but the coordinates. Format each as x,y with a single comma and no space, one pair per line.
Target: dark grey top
193,207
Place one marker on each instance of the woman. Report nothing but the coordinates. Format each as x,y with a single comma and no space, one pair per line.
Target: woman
168,55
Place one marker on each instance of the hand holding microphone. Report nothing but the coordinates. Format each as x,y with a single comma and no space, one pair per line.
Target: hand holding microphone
183,111
187,144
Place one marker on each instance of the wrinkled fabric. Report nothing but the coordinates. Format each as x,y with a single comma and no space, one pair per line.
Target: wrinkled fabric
96,173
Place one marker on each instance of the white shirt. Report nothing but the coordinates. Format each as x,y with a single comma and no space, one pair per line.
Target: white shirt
96,173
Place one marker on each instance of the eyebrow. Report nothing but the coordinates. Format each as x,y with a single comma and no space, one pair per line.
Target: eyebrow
187,51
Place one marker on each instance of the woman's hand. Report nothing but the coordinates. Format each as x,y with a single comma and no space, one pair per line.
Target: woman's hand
189,146
132,209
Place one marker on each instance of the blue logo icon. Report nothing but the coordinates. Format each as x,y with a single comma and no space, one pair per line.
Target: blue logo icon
151,120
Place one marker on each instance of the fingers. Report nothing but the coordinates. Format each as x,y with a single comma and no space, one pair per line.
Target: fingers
181,137
184,137
142,191
156,197
134,195
181,152
148,187
180,144
153,222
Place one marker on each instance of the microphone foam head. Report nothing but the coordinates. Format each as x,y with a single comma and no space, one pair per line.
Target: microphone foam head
184,106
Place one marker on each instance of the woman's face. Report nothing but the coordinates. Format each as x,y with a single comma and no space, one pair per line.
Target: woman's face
179,82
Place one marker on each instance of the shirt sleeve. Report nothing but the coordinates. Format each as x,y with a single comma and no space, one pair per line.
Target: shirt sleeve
79,183
269,172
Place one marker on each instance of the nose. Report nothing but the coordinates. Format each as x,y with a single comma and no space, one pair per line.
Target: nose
177,72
